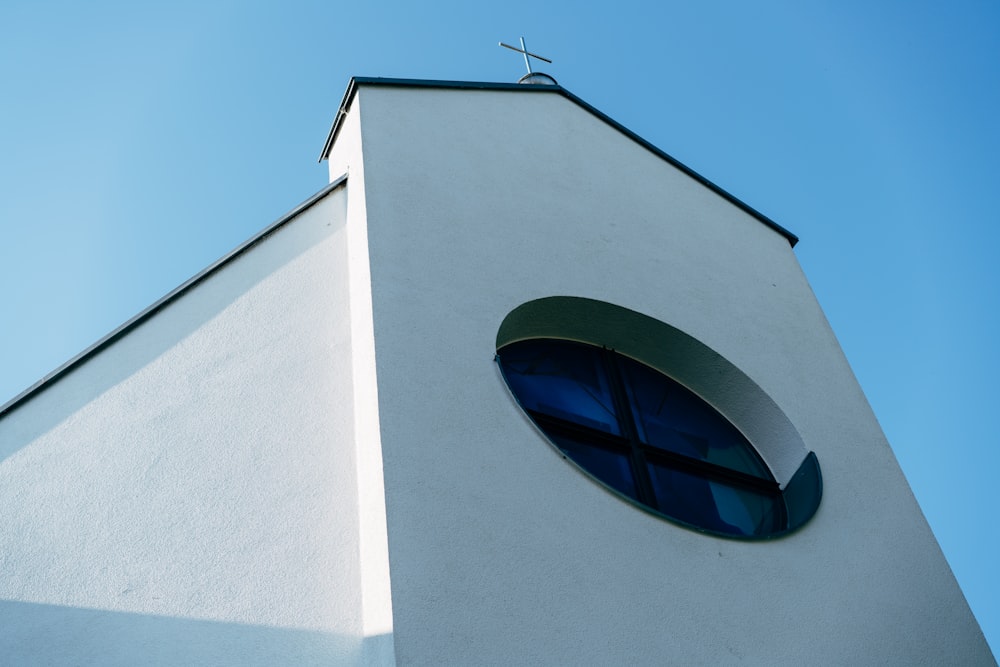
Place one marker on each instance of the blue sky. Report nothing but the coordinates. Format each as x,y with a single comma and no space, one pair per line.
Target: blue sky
141,142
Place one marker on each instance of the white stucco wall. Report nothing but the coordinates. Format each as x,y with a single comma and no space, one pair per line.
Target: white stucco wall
500,552
189,494
376,596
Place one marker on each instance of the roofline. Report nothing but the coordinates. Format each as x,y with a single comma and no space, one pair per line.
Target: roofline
357,81
165,301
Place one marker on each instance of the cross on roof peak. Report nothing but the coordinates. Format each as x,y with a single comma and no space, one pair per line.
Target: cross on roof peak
524,51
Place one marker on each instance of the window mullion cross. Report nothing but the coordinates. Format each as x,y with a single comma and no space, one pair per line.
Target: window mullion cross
710,470
619,394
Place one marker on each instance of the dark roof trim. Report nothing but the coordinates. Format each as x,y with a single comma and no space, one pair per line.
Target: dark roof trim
172,296
357,81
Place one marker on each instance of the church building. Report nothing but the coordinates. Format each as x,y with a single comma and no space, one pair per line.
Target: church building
515,388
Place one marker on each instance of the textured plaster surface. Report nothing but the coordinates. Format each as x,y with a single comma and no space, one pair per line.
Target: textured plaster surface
189,494
376,596
500,552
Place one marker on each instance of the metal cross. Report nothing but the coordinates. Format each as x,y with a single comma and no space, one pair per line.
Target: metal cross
526,53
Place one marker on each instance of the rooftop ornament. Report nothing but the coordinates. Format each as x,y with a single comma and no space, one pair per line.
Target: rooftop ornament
532,77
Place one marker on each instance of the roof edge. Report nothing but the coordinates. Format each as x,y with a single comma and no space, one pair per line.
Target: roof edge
163,302
355,82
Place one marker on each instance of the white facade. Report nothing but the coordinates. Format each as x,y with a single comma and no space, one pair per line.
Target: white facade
189,494
309,455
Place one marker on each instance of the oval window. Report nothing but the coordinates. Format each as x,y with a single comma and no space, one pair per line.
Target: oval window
652,440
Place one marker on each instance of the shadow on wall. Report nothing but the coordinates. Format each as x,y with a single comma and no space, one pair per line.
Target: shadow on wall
135,344
41,634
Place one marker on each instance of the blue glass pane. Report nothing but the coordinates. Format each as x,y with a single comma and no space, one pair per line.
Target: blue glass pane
715,505
561,379
752,512
671,417
612,468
